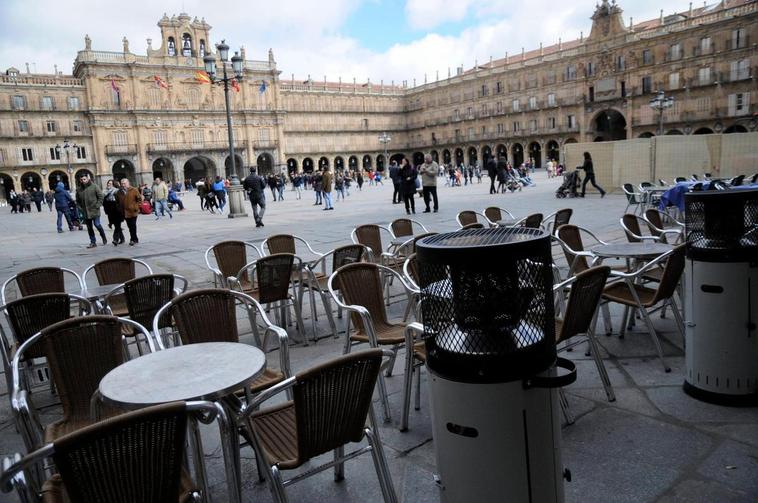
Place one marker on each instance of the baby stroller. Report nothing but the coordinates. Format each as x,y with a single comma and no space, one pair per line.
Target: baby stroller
570,185
73,212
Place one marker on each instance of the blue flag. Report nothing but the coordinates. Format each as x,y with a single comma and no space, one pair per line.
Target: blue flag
262,89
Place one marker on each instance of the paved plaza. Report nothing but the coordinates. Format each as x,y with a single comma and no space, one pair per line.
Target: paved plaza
654,443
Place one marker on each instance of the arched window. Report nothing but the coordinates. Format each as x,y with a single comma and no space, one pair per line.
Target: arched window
202,48
186,45
171,46
193,97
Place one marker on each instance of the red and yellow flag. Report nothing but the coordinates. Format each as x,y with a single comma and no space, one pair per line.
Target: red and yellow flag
160,82
202,76
235,85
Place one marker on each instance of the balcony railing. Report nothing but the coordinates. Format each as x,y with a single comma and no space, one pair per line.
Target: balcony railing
127,149
265,144
192,146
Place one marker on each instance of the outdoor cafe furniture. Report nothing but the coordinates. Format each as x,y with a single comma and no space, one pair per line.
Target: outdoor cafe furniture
109,273
230,256
295,245
27,316
634,295
657,221
467,217
633,231
136,456
41,280
79,352
329,409
360,288
553,220
370,235
633,198
404,227
495,214
207,371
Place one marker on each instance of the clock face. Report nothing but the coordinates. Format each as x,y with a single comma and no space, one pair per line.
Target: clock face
189,62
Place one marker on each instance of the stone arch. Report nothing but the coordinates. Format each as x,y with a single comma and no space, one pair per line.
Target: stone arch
501,151
339,164
82,172
239,166
366,162
58,176
418,158
552,151
674,132
609,125
380,162
122,168
535,154
291,165
6,185
517,154
646,134
703,130
352,163
265,163
473,156
458,156
31,180
735,128
570,140
486,154
446,157
307,165
163,168
323,163
198,168
397,157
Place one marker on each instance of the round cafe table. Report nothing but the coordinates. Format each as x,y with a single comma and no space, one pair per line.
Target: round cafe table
204,371
640,251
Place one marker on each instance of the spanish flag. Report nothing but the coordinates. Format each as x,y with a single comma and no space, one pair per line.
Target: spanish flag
160,82
235,85
202,76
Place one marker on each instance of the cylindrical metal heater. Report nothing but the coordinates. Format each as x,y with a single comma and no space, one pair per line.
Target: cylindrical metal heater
721,296
487,305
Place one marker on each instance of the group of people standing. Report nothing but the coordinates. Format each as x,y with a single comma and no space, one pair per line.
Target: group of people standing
23,201
406,183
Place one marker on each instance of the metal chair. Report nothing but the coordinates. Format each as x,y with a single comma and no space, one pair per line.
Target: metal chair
570,238
40,280
657,224
404,227
553,220
578,319
269,283
467,217
680,179
136,456
631,225
331,404
533,221
230,257
27,316
662,182
370,236
475,225
494,214
114,271
79,352
360,286
632,294
633,198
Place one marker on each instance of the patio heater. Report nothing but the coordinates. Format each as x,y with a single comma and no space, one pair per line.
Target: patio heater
721,296
490,341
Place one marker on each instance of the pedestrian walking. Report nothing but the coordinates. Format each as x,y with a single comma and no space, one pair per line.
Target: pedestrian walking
297,185
13,201
113,211
219,190
272,186
62,202
49,199
160,196
255,186
318,185
408,176
281,184
129,200
89,198
429,172
395,177
327,188
492,169
37,198
26,199
359,181
339,186
589,175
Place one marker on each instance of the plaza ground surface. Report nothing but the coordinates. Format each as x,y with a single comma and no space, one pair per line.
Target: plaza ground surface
654,443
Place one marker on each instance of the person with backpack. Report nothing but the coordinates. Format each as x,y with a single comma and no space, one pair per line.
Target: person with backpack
62,201
255,186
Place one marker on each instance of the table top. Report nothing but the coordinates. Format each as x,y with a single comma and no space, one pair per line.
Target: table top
631,250
95,292
400,240
203,371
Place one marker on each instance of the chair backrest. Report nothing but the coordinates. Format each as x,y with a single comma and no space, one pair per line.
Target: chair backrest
136,456
695,177
680,179
662,182
273,274
572,237
80,351
348,254
533,221
402,227
28,315
361,285
646,185
114,271
466,217
412,269
737,180
40,280
632,226
281,243
493,214
332,402
562,217
370,235
583,300
205,315
146,295
672,273
629,191
231,256
474,225
655,223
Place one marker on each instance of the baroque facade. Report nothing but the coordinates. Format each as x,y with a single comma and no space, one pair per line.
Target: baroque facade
140,116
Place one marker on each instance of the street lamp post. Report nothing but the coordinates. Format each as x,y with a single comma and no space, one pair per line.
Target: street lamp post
67,148
236,200
660,103
385,139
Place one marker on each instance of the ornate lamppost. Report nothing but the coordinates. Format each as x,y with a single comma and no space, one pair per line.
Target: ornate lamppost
67,148
660,103
236,206
384,139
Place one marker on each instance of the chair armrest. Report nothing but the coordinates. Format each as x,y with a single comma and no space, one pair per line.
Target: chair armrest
284,357
650,265
265,395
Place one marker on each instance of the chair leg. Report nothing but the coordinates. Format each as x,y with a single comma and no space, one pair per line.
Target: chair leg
384,398
197,457
299,320
607,318
656,341
277,487
391,364
339,468
382,469
313,318
408,383
329,315
601,367
417,404
624,319
678,319
563,401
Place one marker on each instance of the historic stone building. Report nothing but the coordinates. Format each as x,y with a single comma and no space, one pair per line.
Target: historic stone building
126,114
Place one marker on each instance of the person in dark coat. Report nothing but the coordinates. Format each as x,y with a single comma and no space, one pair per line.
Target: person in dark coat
62,201
589,175
408,175
255,186
37,198
49,199
89,198
492,173
114,211
395,177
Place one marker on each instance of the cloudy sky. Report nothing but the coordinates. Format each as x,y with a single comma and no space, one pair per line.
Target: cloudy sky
377,39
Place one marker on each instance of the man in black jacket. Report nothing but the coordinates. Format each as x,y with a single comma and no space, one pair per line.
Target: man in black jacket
397,196
492,173
255,187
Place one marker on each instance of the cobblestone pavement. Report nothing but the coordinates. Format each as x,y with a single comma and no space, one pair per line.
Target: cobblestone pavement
654,443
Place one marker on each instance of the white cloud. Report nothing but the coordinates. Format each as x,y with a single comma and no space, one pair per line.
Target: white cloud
424,14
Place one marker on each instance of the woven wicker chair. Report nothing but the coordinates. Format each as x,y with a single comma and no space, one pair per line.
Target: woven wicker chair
79,352
533,221
570,238
631,294
577,320
41,280
404,227
657,225
467,217
27,316
415,358
115,271
137,456
552,221
631,225
495,214
633,198
370,235
330,405
475,225
360,287
230,256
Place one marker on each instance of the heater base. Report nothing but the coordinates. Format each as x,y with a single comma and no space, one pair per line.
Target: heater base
747,400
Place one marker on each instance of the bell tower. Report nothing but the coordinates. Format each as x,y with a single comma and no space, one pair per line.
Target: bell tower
607,21
183,38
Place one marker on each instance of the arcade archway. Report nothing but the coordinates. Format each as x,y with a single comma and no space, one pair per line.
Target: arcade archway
501,151
609,125
673,132
553,151
646,134
486,154
291,165
122,169
6,186
58,176
517,154
736,128
535,154
352,163
339,164
198,168
163,168
458,157
703,130
446,156
307,165
265,164
366,162
397,158
473,156
418,158
379,163
435,156
323,163
239,166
